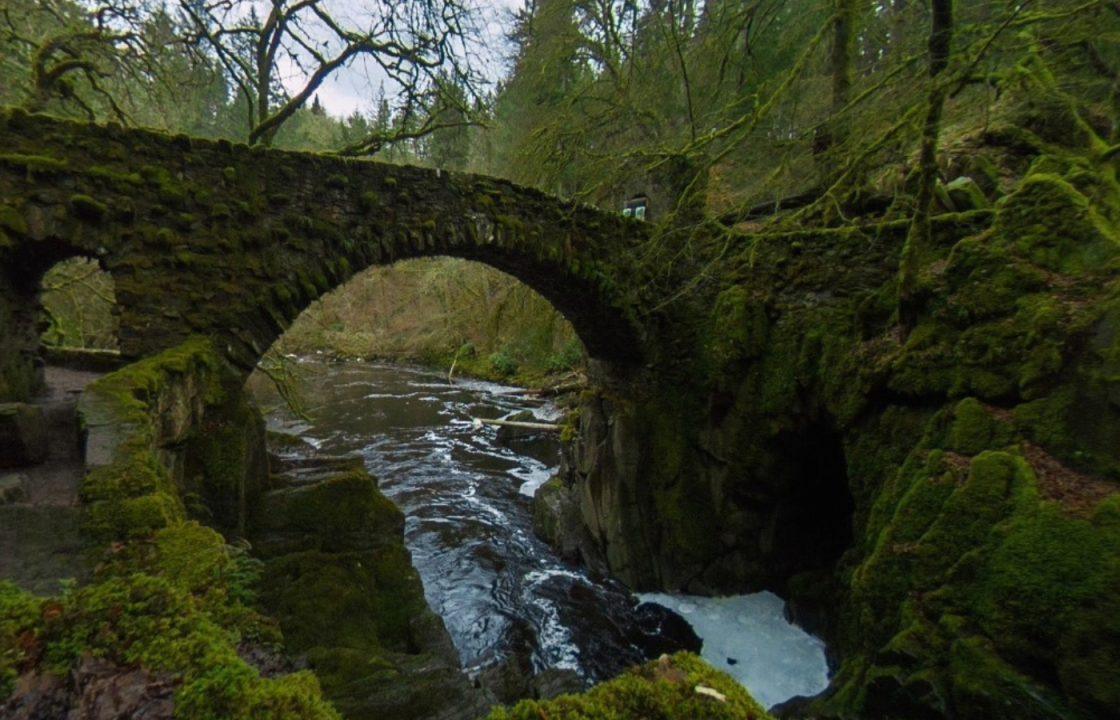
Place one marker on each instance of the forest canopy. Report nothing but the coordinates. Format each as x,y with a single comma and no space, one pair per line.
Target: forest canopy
720,112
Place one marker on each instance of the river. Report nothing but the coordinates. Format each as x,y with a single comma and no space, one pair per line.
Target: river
501,591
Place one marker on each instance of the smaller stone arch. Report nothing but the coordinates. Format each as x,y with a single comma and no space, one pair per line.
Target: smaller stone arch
22,314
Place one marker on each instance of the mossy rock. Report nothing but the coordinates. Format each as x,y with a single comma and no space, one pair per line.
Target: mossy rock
680,687
965,194
1056,227
344,512
87,208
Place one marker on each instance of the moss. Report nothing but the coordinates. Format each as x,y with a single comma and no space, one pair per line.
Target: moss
123,181
975,428
990,579
226,464
171,597
12,220
150,621
738,327
339,512
86,208
369,201
20,611
987,685
667,689
1074,423
229,174
342,586
353,600
41,164
1055,226
130,497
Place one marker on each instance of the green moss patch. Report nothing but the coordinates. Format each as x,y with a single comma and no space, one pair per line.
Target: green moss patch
681,687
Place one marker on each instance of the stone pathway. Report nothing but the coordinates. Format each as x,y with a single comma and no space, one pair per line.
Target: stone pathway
40,538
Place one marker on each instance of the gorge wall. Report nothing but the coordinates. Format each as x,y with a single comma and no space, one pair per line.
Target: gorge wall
938,497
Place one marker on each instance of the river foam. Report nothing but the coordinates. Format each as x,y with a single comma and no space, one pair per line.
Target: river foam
749,638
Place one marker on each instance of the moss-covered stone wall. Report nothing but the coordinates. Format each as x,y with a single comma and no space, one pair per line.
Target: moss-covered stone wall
231,242
170,595
170,436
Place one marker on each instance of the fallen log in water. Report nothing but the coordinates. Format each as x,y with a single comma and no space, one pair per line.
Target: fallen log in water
557,389
552,427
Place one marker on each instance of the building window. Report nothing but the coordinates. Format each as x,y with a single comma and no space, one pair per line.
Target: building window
635,207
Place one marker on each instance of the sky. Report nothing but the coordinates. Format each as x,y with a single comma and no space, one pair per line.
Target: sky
356,87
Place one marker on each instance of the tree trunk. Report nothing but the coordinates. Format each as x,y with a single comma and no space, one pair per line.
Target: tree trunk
918,240
835,131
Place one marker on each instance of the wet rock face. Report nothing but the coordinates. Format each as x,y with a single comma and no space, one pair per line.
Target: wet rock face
23,435
95,690
543,445
339,580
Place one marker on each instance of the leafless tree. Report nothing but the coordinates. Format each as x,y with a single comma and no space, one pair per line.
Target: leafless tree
92,50
417,45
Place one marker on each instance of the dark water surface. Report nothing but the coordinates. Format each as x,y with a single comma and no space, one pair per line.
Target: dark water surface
502,592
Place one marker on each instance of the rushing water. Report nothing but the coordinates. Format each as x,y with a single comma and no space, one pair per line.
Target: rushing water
748,637
500,590
503,593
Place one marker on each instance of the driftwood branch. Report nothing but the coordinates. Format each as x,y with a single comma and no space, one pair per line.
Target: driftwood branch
560,389
551,427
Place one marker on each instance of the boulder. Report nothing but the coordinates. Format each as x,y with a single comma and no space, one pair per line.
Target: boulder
542,445
23,435
966,194
557,521
664,632
13,488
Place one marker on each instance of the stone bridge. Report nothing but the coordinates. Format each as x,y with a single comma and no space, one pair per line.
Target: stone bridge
232,242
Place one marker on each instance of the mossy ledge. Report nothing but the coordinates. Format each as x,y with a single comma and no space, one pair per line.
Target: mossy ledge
677,687
170,595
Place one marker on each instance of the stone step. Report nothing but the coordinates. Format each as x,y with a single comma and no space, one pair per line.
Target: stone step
13,488
41,546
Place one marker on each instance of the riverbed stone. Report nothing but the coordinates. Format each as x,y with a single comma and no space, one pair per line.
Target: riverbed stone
23,435
13,488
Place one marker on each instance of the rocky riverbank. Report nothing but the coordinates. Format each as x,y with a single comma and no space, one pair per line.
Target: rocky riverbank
304,606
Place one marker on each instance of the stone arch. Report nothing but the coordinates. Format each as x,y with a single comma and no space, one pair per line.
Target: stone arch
210,238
